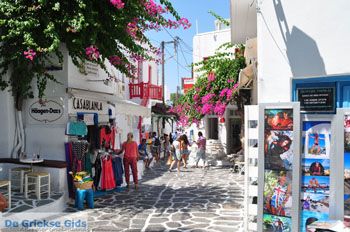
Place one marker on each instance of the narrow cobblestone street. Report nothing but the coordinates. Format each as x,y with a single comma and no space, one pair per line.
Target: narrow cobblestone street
200,200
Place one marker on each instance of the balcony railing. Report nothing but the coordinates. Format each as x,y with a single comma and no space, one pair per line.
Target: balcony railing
145,90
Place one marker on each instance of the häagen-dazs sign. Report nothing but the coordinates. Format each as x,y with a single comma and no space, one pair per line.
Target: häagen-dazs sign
46,111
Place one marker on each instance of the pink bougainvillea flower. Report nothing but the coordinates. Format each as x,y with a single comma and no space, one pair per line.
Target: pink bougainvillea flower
119,4
219,108
115,60
92,52
223,92
207,108
207,98
30,54
153,9
196,97
229,93
184,23
208,87
132,28
211,77
230,81
236,86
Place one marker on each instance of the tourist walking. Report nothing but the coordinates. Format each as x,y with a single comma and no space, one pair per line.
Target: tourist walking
166,146
201,143
176,155
184,149
147,158
130,149
155,147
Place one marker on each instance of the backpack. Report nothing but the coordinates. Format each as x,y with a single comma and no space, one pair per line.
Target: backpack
156,142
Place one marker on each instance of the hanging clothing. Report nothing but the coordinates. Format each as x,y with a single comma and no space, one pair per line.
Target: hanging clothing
118,170
107,177
88,163
98,169
79,149
107,137
68,150
78,128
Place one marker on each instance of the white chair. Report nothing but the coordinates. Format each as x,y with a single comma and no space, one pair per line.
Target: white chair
16,176
37,182
7,183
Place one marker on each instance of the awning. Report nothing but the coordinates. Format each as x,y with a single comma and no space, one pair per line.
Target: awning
246,76
122,106
131,108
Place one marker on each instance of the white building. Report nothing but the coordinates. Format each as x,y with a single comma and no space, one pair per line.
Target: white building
205,44
88,94
302,49
224,134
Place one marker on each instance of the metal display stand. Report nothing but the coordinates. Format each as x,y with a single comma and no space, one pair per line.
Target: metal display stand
251,129
295,106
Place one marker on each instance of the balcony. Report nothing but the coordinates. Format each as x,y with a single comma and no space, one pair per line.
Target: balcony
145,91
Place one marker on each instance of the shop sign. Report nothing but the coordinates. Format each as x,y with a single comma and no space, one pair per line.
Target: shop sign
82,104
45,111
317,100
85,104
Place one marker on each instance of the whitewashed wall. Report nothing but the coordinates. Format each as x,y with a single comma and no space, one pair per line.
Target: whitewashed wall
205,44
300,39
7,123
243,20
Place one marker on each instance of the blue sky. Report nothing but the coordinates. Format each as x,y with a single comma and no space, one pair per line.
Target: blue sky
192,10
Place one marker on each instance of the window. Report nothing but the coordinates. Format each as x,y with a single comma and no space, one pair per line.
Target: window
213,132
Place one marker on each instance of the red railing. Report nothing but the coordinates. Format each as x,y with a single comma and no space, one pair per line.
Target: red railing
146,90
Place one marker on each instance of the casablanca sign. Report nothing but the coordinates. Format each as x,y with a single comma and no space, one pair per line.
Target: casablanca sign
46,111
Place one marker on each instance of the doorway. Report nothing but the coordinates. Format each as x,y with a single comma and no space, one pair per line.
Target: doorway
234,135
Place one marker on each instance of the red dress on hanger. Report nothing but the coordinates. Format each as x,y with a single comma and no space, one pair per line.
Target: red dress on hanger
108,181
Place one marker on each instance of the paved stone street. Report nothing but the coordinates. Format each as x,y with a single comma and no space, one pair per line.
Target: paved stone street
200,200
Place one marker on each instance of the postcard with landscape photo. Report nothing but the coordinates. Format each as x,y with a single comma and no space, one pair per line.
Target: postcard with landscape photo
315,184
347,173
315,202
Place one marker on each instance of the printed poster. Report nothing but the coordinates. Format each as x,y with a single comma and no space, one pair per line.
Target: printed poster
272,223
278,193
278,149
315,164
279,119
278,156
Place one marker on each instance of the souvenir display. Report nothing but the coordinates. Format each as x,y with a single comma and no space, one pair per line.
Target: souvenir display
278,162
315,165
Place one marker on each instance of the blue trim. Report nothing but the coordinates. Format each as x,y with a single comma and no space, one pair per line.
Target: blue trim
339,82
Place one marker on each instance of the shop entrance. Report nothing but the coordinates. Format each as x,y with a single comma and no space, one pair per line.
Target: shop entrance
233,138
